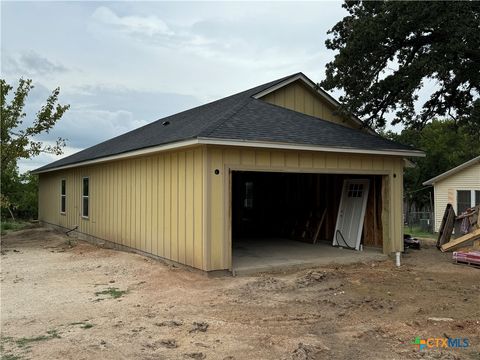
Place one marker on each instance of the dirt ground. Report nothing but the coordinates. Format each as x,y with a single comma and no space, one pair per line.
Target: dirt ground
85,302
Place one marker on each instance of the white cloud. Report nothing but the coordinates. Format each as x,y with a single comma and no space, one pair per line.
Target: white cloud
128,63
146,25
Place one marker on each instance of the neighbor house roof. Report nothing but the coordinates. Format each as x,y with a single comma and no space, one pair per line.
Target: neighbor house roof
241,119
455,170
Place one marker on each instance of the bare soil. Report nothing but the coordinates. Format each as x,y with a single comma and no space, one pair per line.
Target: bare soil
85,302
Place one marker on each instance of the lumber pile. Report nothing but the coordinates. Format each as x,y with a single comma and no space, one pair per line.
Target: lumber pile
461,241
468,223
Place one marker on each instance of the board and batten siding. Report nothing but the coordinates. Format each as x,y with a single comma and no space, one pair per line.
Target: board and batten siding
298,97
226,159
445,190
154,204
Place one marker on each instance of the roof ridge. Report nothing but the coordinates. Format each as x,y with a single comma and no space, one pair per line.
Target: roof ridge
222,120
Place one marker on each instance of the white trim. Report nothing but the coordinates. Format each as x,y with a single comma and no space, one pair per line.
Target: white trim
286,146
452,171
244,143
129,154
322,93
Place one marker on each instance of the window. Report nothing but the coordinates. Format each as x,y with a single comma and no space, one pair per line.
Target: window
63,196
477,197
85,197
248,201
464,200
355,190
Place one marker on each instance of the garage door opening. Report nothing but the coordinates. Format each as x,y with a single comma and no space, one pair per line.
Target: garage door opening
283,219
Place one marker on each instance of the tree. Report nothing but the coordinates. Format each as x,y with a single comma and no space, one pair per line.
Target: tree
445,144
18,139
387,52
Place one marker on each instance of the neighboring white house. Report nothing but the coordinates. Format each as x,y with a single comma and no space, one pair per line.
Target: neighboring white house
459,186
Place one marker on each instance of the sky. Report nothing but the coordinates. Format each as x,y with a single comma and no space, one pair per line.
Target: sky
121,65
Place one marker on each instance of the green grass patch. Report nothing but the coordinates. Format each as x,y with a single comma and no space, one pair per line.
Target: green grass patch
113,292
418,232
83,324
24,342
7,226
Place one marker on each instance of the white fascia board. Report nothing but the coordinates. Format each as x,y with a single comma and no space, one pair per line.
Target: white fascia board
286,146
227,142
452,171
141,152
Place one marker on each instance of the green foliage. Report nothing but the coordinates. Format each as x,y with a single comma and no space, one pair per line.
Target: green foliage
83,324
445,144
12,226
388,50
24,342
19,192
115,293
417,232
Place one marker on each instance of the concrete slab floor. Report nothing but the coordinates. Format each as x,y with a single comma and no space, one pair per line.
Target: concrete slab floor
261,255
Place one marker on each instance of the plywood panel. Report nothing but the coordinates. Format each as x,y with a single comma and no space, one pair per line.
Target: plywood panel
161,218
278,159
174,208
306,160
263,158
217,212
153,204
248,157
181,208
291,159
190,208
198,206
168,206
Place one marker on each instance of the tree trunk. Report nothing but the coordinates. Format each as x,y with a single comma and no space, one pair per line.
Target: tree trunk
11,213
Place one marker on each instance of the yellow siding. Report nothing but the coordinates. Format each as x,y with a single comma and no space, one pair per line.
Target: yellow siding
298,97
174,205
226,159
153,204
446,190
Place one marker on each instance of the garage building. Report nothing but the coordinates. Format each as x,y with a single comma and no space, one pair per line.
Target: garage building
267,166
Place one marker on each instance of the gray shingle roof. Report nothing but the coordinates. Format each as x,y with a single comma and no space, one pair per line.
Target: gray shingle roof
236,117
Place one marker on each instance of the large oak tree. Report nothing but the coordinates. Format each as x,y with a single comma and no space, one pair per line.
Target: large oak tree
388,50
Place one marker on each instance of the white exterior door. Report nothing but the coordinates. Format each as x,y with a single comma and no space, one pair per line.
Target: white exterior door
351,213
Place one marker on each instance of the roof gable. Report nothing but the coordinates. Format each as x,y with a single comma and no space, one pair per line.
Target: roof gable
453,171
301,94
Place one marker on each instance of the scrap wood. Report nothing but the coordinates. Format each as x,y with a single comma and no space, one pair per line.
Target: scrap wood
446,228
461,240
315,237
471,217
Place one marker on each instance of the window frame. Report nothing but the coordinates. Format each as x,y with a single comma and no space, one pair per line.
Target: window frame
469,192
63,185
85,197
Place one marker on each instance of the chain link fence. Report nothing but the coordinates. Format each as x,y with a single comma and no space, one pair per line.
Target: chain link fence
419,221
